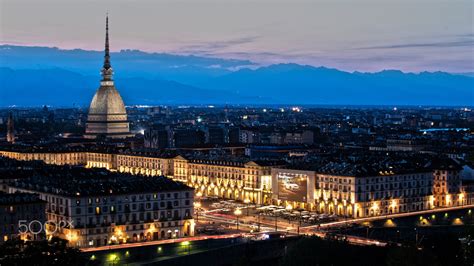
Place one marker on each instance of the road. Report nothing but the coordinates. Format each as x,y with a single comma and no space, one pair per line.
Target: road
245,225
159,242
384,217
284,226
293,230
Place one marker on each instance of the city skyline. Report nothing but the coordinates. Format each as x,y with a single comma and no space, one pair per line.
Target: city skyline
237,132
431,36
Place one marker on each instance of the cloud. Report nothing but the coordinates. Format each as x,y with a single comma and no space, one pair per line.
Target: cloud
212,47
439,44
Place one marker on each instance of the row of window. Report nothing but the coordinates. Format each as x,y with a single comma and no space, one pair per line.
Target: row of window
131,217
134,207
133,198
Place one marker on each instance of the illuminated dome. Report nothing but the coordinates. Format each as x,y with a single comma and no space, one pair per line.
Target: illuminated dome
106,101
107,114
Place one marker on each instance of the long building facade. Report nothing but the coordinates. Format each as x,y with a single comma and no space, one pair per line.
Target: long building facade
265,182
237,180
354,196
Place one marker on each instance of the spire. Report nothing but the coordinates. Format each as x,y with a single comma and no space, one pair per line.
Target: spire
107,55
107,68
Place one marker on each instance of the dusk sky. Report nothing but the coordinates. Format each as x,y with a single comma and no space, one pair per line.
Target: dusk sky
363,35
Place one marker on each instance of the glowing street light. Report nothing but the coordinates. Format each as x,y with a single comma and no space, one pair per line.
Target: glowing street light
113,258
186,244
237,213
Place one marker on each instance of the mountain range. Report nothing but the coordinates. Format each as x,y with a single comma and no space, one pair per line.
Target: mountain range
34,76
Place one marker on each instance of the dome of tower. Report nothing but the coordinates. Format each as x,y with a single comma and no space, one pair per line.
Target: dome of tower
107,115
107,100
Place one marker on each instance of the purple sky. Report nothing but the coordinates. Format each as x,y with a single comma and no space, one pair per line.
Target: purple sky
363,35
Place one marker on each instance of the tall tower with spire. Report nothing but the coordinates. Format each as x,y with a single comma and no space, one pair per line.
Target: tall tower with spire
107,114
10,129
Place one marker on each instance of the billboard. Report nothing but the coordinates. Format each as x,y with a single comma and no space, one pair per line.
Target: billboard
292,187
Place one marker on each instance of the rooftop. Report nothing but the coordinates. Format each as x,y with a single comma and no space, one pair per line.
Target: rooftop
375,164
78,181
19,198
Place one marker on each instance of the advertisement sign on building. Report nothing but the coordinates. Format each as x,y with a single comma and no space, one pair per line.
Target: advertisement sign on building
292,187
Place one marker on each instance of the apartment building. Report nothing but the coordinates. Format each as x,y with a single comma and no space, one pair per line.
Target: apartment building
95,207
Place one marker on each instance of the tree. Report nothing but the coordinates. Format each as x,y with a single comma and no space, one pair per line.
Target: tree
53,252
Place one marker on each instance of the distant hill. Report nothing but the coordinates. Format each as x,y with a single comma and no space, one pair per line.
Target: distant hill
292,83
126,63
42,75
59,87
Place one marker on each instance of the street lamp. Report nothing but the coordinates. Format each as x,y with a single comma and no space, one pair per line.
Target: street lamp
299,222
276,222
237,213
258,221
289,208
247,201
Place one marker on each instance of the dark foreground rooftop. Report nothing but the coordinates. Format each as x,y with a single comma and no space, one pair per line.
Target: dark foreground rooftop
79,181
19,198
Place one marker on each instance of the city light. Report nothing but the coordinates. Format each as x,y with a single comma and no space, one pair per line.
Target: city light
390,223
113,257
393,204
457,221
186,244
238,212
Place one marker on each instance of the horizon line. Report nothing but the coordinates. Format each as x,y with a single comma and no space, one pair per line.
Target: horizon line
252,63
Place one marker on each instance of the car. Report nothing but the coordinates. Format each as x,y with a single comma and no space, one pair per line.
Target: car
291,186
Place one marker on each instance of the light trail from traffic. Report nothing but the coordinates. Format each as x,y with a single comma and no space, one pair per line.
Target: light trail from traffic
389,216
159,242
